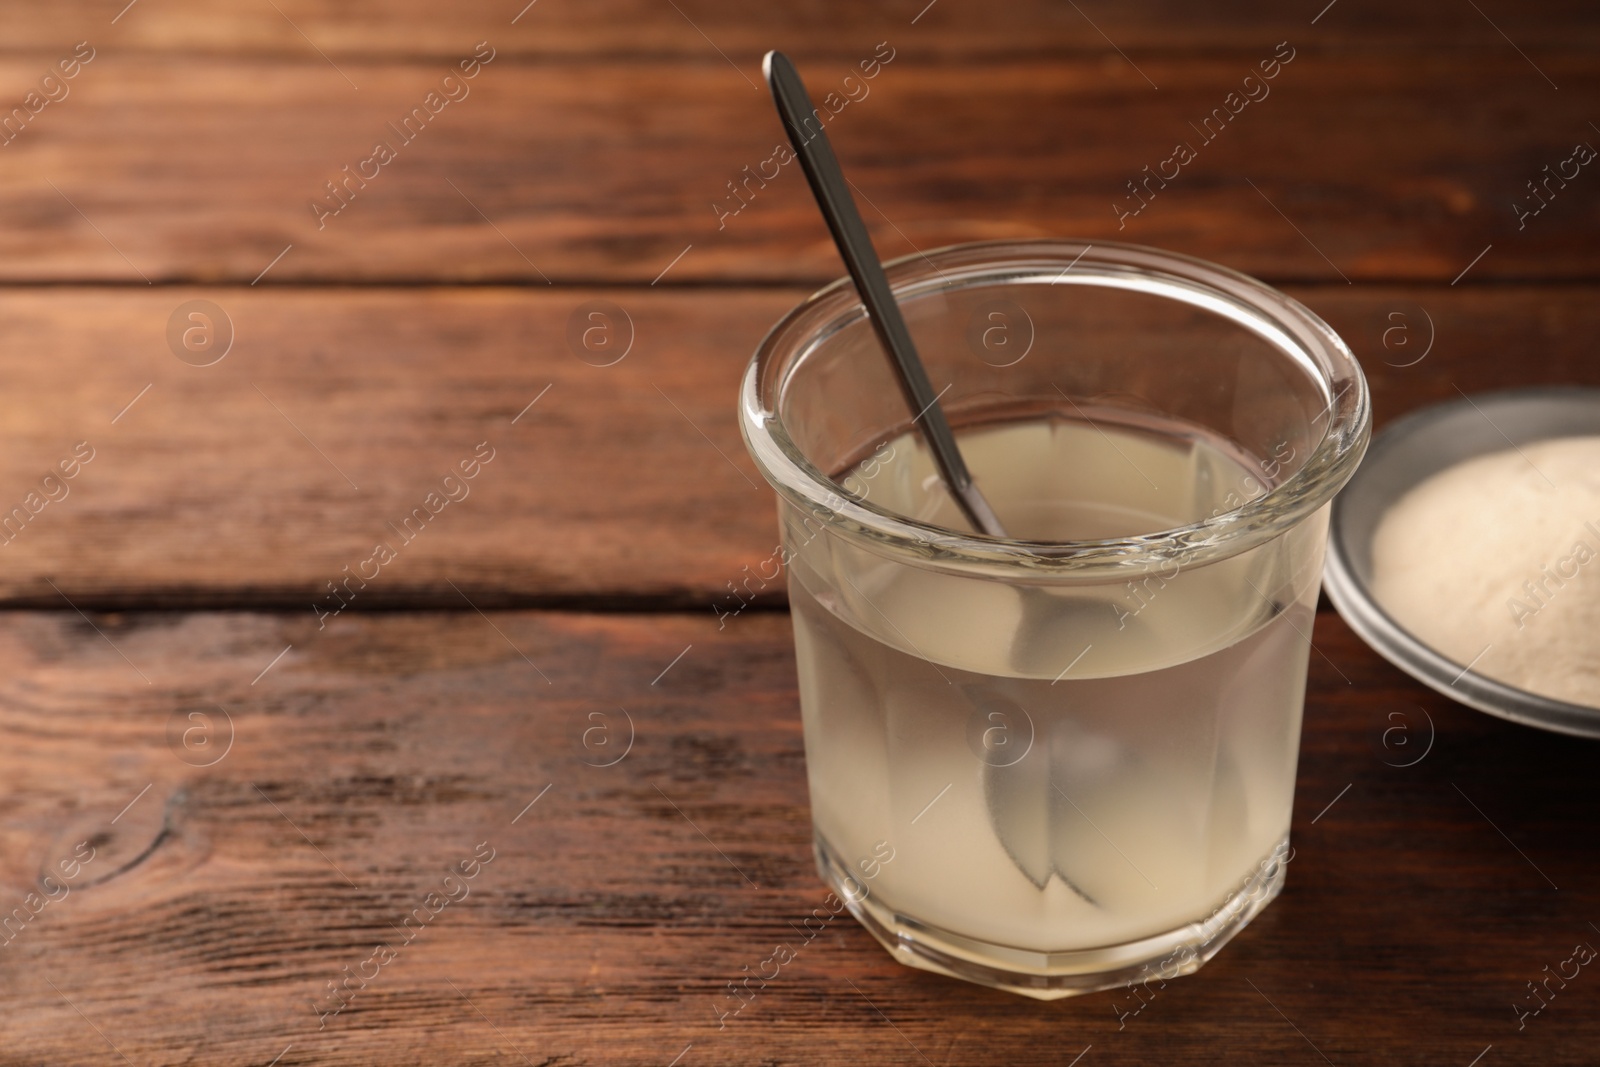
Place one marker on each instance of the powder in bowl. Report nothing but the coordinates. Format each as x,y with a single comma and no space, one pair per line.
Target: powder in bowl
1495,562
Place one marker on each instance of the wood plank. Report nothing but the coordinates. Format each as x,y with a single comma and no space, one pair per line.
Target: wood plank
226,485
699,28
222,899
206,170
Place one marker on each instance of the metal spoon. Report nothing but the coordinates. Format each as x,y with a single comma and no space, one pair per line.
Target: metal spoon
1022,806
855,247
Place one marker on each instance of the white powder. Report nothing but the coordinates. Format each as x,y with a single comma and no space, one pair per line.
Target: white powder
1497,561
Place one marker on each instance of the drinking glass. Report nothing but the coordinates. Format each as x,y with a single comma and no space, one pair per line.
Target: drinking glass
1064,760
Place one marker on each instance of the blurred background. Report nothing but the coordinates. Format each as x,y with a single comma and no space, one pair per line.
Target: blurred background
623,151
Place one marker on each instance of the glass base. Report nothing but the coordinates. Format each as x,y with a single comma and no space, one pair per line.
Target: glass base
1053,975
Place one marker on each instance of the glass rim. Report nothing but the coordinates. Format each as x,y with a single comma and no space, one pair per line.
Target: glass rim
1281,321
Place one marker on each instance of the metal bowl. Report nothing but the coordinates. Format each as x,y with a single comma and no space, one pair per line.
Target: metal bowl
1403,455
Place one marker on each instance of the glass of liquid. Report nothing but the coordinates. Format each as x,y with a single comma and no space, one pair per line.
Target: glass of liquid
1064,760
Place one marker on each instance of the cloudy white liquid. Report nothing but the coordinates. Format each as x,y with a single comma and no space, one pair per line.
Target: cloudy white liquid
1056,768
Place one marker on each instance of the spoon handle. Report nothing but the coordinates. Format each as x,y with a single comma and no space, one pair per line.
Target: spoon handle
811,147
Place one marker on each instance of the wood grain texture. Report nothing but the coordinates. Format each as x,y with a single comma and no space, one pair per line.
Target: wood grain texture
699,28
376,754
267,797
1361,166
226,485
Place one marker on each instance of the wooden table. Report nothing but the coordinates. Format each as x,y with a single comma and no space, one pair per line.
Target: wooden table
240,792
